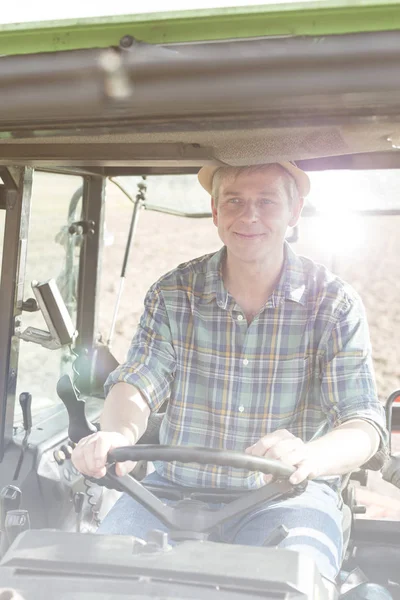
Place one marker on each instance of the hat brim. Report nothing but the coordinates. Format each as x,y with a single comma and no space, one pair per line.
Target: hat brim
206,174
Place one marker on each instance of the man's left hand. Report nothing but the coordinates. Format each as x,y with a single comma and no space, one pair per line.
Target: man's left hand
284,446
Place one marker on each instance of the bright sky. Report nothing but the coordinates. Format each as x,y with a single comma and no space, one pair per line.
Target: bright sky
19,11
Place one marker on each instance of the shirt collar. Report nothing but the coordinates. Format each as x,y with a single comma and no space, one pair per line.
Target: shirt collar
291,285
213,284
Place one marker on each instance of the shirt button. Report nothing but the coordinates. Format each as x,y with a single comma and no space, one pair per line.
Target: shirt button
241,408
245,362
240,318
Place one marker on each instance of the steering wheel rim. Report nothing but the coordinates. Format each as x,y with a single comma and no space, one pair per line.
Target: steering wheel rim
201,455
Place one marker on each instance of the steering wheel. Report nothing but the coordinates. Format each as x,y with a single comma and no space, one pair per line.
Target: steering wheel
191,517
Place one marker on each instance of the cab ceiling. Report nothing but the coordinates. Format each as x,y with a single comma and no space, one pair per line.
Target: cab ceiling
235,147
184,105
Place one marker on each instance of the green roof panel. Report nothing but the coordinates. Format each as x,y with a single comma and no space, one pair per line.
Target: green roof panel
296,19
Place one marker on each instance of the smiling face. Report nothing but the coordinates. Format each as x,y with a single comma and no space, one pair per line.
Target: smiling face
253,211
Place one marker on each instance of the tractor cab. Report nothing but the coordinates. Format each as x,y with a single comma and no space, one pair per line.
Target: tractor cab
104,125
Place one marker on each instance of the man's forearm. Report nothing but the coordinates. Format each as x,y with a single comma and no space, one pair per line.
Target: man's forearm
125,411
344,449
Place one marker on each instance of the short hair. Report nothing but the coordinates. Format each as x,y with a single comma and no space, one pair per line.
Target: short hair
289,181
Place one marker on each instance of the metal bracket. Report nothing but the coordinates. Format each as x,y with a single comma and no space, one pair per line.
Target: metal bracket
38,336
82,228
116,84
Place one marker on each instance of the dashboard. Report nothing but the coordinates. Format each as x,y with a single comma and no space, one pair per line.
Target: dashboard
52,564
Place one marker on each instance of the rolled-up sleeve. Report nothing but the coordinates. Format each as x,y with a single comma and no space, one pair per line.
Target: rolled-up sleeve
348,388
151,363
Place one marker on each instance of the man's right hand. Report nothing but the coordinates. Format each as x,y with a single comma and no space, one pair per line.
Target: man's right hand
90,454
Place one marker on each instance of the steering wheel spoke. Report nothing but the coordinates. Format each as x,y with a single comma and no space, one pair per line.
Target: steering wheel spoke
136,490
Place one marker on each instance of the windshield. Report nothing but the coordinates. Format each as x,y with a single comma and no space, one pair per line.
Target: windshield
52,253
362,250
162,241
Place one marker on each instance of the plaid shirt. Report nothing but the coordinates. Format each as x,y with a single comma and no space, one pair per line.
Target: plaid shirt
303,364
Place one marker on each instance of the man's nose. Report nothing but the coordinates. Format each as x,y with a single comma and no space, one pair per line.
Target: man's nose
250,212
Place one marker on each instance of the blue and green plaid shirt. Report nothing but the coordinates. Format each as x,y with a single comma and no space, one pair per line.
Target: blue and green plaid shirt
303,364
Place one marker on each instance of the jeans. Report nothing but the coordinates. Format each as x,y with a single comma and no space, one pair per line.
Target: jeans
314,521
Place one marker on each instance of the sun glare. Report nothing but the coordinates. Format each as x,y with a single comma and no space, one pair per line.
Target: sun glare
337,196
341,233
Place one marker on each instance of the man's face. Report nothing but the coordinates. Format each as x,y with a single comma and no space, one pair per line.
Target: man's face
253,212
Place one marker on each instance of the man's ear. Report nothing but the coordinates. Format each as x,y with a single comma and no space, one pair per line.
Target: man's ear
214,211
296,212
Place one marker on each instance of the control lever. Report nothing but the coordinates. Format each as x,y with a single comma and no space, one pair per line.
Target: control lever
79,427
25,400
78,500
16,522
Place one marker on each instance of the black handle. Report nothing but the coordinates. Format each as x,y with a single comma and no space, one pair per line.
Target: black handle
25,400
79,426
78,499
391,471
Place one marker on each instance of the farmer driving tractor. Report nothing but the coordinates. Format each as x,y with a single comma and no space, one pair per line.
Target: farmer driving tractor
256,349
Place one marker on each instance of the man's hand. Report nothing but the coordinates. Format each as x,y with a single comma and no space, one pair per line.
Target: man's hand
90,455
284,446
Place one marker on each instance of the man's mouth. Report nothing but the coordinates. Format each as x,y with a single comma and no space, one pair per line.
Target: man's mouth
249,236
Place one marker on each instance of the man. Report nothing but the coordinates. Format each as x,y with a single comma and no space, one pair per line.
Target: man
257,350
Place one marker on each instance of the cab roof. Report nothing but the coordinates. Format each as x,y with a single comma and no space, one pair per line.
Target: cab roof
314,82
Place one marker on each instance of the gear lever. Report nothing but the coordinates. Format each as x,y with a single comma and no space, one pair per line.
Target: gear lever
25,401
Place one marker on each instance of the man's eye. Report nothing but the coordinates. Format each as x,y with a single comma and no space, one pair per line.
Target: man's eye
233,201
266,201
